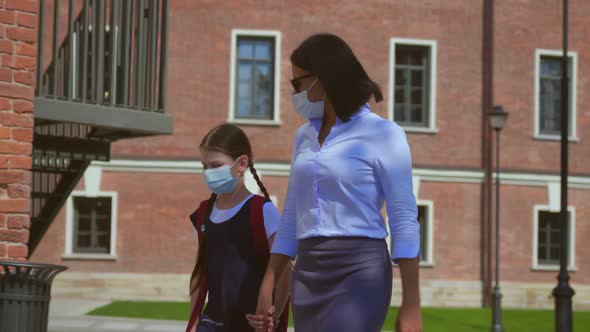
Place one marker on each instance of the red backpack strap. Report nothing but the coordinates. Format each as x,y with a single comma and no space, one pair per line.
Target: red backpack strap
198,220
198,217
261,244
257,225
202,290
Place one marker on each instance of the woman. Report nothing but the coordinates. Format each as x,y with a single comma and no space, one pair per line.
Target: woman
346,163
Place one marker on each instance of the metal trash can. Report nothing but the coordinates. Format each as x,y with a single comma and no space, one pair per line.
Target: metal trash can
25,292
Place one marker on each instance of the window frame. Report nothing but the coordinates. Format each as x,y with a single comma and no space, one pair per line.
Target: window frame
70,252
536,265
93,232
432,76
427,258
572,135
235,34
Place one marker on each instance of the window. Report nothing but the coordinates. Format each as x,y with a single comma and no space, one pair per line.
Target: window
92,225
255,79
91,221
548,95
425,219
423,230
413,84
548,238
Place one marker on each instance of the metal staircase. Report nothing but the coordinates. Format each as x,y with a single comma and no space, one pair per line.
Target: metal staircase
105,81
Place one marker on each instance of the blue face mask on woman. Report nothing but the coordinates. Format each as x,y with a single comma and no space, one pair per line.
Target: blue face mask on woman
220,180
305,108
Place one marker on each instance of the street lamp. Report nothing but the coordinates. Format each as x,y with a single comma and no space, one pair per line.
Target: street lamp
563,292
497,118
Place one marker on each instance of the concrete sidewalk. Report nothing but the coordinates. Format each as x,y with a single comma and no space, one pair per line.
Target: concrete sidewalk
111,324
68,315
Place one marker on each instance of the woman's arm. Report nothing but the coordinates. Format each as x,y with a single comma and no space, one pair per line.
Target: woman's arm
409,318
394,173
284,248
394,170
282,275
266,311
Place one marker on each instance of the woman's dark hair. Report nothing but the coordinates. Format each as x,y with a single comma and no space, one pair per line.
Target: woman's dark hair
232,141
347,84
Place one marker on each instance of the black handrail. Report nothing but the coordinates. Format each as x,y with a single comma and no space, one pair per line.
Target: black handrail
107,43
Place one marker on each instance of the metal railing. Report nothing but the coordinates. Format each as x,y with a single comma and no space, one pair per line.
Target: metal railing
113,54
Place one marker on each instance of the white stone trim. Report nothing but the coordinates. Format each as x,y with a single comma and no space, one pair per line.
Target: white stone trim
443,175
172,287
69,247
283,169
432,44
556,53
274,199
235,33
416,184
251,183
176,167
92,178
572,240
554,196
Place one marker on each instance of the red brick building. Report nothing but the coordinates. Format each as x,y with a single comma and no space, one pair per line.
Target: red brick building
18,36
124,231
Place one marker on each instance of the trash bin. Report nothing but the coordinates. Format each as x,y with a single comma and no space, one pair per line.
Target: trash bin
25,292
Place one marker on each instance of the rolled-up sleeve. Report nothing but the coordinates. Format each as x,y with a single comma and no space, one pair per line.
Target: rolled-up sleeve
394,171
285,242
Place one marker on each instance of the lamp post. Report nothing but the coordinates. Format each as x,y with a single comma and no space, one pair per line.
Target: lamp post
497,121
563,292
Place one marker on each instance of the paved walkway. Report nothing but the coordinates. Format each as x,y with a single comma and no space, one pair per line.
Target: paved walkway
67,315
109,324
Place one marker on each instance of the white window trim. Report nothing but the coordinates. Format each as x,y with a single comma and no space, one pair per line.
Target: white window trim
432,44
572,242
429,255
277,69
573,137
69,248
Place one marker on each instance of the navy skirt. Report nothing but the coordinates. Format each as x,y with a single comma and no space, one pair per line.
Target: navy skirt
341,284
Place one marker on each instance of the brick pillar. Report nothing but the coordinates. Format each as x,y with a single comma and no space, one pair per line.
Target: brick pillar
18,37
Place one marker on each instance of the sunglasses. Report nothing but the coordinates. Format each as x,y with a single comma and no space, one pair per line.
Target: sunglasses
295,81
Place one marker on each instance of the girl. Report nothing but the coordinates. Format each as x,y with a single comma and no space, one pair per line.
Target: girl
347,162
233,226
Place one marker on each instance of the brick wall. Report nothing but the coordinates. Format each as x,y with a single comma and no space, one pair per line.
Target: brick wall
199,70
18,35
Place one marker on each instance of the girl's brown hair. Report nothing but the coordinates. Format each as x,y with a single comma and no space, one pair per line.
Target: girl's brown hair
232,141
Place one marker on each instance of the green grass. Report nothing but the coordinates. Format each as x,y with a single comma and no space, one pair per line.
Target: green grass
150,310
434,319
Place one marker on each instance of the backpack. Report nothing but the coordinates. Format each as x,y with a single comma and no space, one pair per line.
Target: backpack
261,246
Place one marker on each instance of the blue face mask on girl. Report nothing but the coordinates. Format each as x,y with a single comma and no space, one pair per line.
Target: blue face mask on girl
220,180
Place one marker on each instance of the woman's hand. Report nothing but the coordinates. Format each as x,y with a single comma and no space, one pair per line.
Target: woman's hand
409,319
263,320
